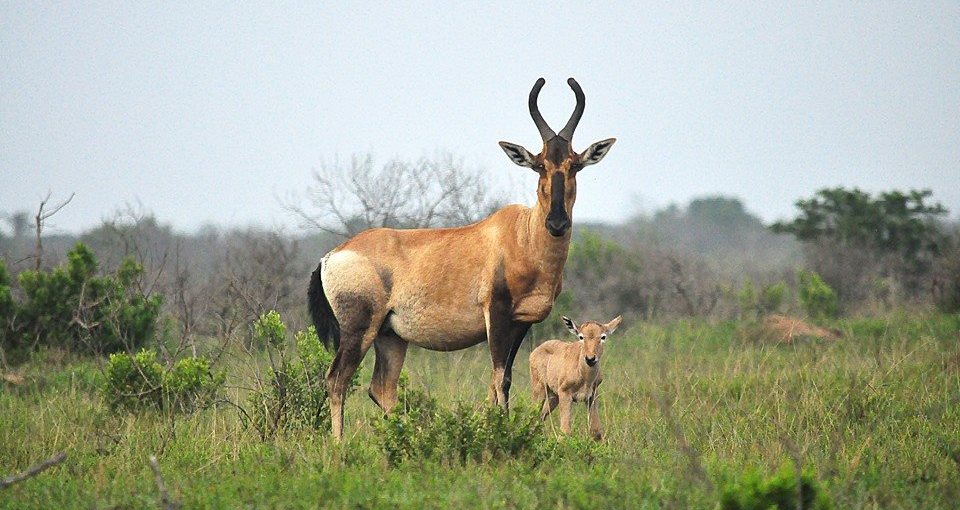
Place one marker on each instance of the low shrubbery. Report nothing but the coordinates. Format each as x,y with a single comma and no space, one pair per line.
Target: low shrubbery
817,299
754,491
139,382
421,429
72,307
294,394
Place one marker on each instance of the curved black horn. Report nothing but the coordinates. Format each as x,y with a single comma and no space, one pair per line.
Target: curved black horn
567,132
545,132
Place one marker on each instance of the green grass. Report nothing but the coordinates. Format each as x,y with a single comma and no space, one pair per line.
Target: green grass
688,408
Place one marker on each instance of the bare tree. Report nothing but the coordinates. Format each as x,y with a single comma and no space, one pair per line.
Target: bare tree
258,271
41,218
345,200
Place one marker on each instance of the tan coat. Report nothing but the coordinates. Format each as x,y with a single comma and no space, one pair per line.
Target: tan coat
562,373
450,288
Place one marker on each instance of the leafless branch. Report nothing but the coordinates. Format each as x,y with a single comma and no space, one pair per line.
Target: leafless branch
165,500
40,218
33,470
427,193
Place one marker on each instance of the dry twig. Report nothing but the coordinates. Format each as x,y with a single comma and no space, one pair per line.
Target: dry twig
33,470
165,500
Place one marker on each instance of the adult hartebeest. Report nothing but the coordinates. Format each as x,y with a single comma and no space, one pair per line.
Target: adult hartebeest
446,289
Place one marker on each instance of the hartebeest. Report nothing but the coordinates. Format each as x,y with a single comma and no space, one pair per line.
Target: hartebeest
446,289
562,373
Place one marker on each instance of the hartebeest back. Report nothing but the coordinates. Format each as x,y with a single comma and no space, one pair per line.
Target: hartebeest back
450,288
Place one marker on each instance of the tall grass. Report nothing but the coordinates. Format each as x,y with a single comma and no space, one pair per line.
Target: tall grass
688,409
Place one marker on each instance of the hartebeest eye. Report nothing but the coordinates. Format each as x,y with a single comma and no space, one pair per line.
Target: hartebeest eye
603,338
581,337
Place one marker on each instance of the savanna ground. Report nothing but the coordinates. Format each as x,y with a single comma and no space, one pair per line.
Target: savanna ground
687,408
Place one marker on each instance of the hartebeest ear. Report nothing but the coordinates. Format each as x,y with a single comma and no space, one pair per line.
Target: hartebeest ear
518,154
596,152
570,325
612,325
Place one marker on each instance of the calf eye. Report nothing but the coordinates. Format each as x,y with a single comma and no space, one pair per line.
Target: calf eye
581,337
603,337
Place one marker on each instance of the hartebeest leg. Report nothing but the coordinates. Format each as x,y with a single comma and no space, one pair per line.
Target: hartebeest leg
505,340
359,324
344,365
390,351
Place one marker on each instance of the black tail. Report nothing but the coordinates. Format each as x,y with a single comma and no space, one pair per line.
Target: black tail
328,329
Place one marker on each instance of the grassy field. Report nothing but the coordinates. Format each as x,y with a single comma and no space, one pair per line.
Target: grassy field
688,408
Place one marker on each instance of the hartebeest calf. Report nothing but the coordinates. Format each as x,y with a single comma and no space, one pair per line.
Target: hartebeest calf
446,289
562,373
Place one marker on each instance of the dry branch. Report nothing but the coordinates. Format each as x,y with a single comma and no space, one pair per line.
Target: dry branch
41,218
33,470
165,500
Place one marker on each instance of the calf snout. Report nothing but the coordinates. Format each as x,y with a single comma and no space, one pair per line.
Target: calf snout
591,360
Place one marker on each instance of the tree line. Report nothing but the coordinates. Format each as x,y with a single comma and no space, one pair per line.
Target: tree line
708,259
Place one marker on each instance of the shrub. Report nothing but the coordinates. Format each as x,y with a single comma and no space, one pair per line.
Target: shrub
755,492
138,382
771,297
420,429
295,393
817,299
6,307
71,307
747,299
269,330
191,384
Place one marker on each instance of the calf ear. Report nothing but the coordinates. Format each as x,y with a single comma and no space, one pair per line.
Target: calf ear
612,325
518,154
596,152
570,325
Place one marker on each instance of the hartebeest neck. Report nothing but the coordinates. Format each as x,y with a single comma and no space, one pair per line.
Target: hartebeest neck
549,251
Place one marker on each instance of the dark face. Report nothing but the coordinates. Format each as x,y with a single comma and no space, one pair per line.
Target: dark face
557,165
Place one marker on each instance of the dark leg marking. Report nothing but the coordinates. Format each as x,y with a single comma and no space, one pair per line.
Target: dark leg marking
354,312
386,278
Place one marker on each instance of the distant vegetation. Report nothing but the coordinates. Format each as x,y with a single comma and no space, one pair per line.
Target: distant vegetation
815,344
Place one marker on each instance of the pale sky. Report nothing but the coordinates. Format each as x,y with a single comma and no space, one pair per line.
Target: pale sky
208,113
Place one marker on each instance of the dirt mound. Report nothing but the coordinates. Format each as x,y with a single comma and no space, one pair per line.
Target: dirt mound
786,329
12,378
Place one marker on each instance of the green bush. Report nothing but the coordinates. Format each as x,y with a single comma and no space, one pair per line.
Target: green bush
771,297
269,330
753,491
420,429
817,299
6,307
295,394
138,382
71,307
747,299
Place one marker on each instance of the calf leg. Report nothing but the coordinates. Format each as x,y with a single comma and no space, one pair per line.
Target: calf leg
596,430
549,404
566,410
537,387
390,351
